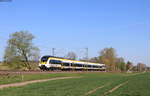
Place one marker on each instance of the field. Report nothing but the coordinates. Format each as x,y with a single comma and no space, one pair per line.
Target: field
87,84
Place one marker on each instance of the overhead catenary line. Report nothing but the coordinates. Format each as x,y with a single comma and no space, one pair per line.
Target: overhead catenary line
87,53
53,51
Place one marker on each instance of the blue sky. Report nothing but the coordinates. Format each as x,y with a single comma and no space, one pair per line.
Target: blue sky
73,25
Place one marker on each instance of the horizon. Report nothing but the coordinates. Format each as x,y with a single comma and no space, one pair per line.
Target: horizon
76,25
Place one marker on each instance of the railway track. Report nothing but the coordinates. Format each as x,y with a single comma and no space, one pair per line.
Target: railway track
5,72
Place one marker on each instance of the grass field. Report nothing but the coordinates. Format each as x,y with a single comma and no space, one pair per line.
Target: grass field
13,78
90,84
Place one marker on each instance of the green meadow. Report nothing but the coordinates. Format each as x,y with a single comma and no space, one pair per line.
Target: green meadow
88,84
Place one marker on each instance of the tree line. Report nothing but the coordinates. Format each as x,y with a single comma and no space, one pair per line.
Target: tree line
21,53
109,57
113,63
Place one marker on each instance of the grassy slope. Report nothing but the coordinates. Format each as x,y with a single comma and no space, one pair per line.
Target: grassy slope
80,86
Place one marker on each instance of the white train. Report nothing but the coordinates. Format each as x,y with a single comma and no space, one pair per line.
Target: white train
53,63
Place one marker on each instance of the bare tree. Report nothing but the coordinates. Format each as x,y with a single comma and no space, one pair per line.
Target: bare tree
20,50
94,59
129,66
71,55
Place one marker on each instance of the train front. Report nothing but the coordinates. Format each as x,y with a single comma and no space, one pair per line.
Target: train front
43,65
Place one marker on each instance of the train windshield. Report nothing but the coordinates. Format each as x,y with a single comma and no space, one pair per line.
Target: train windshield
44,59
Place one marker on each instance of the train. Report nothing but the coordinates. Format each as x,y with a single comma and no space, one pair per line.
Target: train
58,63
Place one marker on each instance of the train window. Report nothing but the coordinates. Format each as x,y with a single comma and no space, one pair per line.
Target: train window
66,64
77,65
55,62
95,66
89,65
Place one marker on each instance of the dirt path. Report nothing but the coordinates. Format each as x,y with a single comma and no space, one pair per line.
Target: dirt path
115,88
94,90
33,81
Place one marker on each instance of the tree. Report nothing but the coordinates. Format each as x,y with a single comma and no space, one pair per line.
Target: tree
141,67
108,56
94,59
120,64
129,66
71,55
20,50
